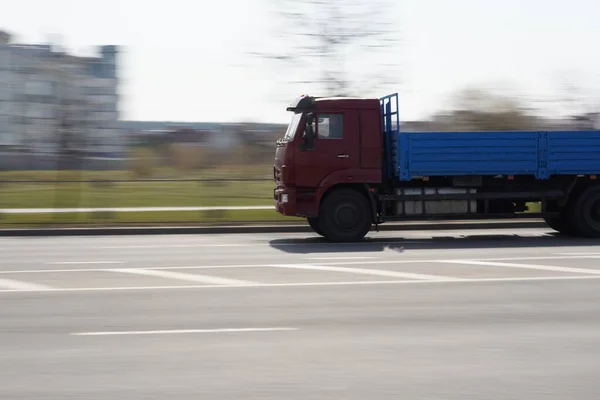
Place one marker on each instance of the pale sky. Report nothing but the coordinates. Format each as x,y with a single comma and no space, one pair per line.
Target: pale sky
186,60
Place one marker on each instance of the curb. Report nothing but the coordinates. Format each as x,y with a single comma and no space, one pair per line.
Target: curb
249,229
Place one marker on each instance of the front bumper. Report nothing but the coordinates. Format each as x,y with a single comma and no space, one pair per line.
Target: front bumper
285,201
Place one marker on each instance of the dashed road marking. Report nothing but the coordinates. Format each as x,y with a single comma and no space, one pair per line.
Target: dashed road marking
525,266
365,271
308,244
176,246
12,285
312,284
45,271
327,263
184,331
184,277
593,255
339,258
85,262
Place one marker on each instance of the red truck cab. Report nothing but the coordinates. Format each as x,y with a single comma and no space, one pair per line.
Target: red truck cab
326,162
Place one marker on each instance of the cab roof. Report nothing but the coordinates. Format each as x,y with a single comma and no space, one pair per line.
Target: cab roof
314,103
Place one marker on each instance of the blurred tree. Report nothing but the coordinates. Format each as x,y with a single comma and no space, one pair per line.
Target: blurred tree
576,95
344,48
478,110
578,102
575,100
142,162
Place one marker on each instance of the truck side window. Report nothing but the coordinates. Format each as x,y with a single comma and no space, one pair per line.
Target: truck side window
330,126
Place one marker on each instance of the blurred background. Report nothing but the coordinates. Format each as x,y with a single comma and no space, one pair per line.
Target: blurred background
177,106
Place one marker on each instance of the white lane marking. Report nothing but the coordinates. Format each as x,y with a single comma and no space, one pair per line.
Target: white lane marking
420,261
594,255
12,285
175,246
313,284
183,277
364,271
182,331
44,271
84,262
185,246
525,266
349,262
382,262
340,258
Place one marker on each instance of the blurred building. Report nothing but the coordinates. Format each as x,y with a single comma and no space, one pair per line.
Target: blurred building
208,134
51,101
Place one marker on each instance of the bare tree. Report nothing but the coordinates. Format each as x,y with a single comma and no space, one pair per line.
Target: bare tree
343,48
575,99
576,96
480,110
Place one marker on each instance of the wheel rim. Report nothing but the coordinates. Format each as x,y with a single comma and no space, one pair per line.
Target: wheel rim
346,216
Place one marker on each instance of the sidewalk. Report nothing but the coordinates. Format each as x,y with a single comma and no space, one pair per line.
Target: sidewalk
127,209
266,228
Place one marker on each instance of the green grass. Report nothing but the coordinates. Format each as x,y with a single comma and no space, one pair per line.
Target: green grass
252,171
132,194
136,194
146,218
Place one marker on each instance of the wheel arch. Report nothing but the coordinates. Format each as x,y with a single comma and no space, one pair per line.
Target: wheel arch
362,180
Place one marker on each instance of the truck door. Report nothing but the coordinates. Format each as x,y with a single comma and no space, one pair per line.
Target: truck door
336,147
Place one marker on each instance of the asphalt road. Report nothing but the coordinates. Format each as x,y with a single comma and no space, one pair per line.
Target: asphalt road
406,315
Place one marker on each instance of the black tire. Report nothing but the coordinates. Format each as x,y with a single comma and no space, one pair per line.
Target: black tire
584,214
345,216
314,224
560,224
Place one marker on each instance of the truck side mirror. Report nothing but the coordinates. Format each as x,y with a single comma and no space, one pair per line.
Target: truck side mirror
309,134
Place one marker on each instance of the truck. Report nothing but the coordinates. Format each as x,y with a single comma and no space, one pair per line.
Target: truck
345,165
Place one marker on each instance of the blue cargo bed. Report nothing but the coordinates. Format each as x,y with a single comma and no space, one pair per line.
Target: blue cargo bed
538,154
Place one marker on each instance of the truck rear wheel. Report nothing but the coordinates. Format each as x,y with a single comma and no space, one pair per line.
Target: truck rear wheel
314,224
561,224
345,216
585,213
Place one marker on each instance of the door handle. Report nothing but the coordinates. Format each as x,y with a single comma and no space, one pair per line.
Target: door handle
343,156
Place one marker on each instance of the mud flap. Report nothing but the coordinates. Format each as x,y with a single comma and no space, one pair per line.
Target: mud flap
373,201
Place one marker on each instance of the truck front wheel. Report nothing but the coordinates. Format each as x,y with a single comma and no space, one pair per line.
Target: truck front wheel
314,224
345,216
585,213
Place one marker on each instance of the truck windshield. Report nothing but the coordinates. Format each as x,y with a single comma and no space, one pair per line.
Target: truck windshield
293,127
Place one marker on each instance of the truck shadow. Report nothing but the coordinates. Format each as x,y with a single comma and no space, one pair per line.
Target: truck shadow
319,245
